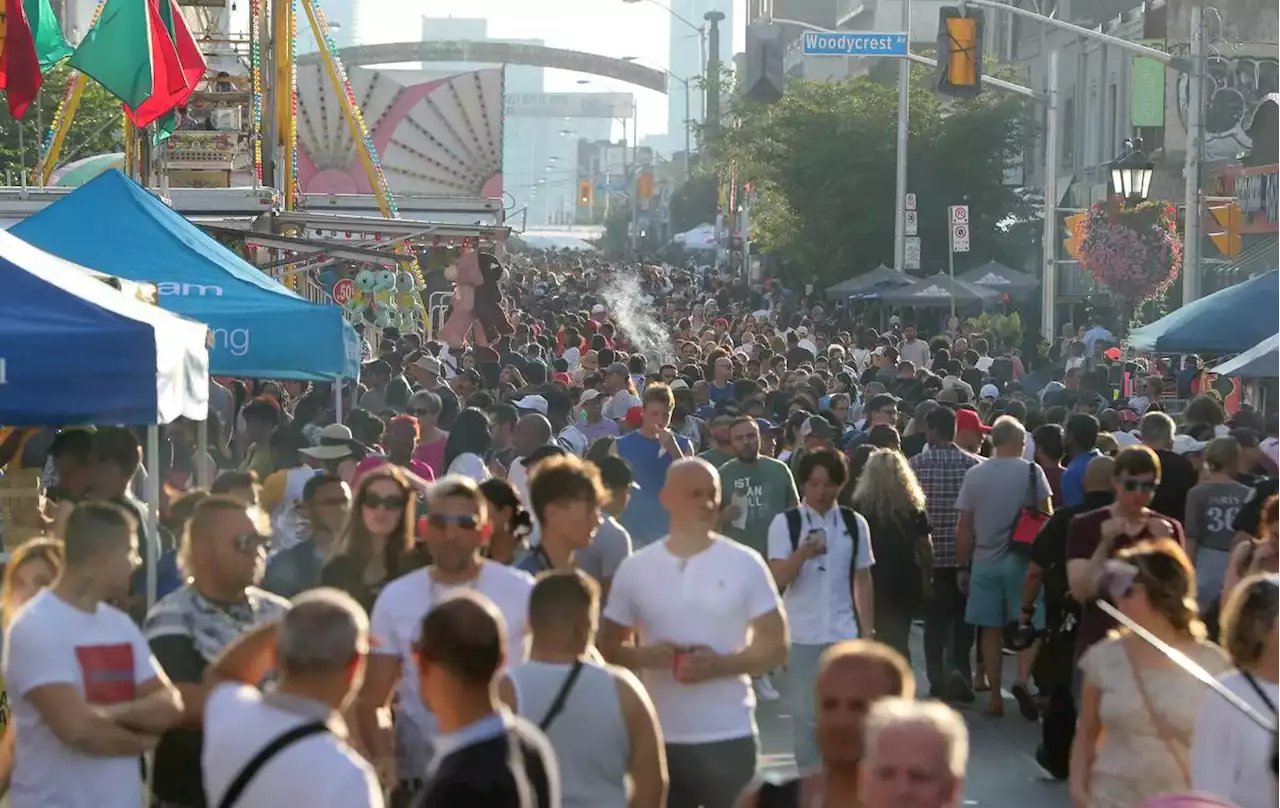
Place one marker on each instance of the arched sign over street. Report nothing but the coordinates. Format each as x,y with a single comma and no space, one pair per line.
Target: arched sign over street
484,52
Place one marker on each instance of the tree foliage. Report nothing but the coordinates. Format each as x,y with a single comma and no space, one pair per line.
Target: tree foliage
96,129
694,202
822,165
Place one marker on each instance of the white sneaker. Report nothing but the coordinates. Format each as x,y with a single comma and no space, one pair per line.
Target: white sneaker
765,691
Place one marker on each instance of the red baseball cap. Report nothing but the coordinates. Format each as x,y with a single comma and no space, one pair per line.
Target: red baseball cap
635,417
968,421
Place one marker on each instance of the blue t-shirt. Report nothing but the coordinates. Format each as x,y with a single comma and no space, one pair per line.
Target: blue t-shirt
1073,478
721,395
645,519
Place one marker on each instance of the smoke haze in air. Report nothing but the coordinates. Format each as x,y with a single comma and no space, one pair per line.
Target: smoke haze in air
627,303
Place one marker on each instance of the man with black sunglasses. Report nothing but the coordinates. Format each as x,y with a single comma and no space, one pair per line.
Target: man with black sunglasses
456,531
1098,535
225,555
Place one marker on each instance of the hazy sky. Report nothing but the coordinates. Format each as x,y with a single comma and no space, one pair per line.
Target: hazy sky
607,27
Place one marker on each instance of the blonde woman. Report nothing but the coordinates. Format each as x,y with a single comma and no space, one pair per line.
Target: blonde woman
1138,709
1231,758
32,567
889,496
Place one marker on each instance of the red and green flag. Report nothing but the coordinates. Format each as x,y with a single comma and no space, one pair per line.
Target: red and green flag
31,42
133,53
189,57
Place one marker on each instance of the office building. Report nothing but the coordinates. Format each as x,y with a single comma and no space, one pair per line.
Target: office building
687,62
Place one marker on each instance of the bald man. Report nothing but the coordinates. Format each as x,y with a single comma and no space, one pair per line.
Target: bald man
1048,568
696,616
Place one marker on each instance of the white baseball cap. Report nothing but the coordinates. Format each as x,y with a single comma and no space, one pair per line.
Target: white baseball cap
590,394
535,402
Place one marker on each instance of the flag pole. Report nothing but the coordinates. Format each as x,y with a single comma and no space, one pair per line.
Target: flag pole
22,158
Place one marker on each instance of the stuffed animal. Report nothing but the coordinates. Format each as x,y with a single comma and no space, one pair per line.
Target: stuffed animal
362,297
407,298
385,294
477,301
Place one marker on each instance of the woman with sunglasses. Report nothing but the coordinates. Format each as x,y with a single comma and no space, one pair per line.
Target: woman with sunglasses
1232,755
1138,709
378,544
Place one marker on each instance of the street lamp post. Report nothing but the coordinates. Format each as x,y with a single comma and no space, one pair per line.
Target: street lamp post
688,116
700,30
1131,173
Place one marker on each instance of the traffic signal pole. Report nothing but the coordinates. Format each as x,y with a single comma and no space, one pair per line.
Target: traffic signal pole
1049,235
904,120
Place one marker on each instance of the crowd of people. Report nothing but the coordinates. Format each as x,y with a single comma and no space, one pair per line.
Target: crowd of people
564,568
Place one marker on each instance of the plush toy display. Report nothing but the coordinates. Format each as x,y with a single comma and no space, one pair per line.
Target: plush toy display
477,301
362,297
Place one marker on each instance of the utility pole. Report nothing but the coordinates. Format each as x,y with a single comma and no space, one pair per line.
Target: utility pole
1191,169
711,115
904,117
1049,236
634,185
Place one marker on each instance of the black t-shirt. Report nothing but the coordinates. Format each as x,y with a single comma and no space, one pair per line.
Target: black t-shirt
897,573
177,775
1177,477
485,775
1249,519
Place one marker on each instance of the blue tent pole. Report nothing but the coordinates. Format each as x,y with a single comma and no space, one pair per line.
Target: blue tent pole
202,449
337,398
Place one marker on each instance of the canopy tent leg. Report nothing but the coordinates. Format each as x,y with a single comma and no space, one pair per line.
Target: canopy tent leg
337,399
153,510
202,450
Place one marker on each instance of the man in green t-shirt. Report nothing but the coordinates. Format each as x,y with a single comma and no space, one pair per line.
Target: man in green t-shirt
721,450
755,488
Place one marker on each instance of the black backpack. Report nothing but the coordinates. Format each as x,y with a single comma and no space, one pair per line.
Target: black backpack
795,524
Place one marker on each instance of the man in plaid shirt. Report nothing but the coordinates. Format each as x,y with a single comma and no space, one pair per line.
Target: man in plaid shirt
940,468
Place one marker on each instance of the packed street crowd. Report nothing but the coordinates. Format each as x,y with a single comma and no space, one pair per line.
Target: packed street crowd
559,564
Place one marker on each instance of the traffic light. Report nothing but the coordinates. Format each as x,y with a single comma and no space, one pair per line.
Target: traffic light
644,185
1075,234
959,52
584,193
1227,240
764,77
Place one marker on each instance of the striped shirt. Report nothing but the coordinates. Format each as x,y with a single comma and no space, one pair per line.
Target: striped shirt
941,470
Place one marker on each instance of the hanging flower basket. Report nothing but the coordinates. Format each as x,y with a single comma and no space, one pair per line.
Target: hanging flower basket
1133,252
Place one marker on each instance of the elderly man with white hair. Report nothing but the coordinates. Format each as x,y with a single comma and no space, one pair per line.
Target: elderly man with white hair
914,755
286,744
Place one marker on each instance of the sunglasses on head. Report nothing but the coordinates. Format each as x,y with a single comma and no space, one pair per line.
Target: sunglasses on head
443,520
392,502
1131,485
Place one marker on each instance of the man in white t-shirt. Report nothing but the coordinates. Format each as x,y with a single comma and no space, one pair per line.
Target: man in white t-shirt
697,615
87,696
319,649
825,573
457,518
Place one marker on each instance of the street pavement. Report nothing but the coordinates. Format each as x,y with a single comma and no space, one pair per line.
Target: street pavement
1002,770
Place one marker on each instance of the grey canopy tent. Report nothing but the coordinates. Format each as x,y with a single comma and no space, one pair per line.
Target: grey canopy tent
1259,362
1001,279
936,291
877,280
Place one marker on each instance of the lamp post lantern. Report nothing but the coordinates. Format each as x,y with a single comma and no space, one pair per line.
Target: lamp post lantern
1131,173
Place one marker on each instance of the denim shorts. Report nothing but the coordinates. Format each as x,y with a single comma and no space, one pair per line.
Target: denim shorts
995,593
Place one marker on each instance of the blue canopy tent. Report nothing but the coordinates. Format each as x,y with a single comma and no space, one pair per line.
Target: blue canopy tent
260,328
74,350
1229,321
1262,361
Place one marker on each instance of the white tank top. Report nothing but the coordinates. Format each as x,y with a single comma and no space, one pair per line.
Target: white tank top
589,735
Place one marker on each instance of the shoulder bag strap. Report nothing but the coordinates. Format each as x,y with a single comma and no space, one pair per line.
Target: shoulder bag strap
562,696
1161,728
1262,694
854,529
264,756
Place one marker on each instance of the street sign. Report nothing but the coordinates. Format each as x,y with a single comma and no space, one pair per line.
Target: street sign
959,214
910,202
960,238
912,222
911,258
854,43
